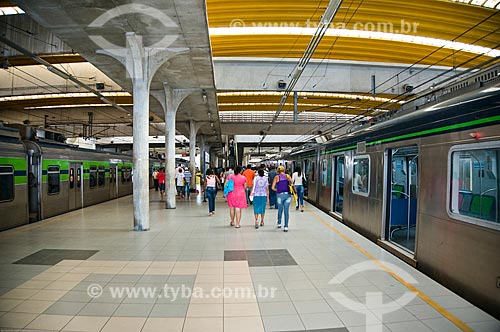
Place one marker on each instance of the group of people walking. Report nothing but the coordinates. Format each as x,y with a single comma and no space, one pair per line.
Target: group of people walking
257,188
182,180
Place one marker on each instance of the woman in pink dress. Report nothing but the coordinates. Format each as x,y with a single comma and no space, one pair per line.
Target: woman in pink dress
237,199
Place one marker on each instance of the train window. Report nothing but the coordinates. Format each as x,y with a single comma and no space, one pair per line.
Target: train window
124,171
93,177
71,178
129,172
126,174
324,173
313,172
101,176
53,180
6,183
361,175
474,183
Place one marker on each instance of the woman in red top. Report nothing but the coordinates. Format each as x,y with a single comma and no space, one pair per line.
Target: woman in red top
161,182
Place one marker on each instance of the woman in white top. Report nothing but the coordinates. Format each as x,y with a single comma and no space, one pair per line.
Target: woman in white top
211,190
179,176
298,183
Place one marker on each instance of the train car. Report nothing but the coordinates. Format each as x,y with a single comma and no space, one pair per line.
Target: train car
424,186
40,179
13,180
67,178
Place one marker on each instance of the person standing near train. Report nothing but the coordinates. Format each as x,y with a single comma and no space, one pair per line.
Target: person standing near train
280,184
298,180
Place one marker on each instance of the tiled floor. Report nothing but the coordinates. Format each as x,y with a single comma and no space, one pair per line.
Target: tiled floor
88,271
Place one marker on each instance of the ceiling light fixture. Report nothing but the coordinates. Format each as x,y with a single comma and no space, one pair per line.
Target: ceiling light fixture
397,37
12,10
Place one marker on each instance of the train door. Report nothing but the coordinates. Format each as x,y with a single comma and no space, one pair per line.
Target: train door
113,183
305,171
325,183
402,197
311,181
338,172
75,186
34,182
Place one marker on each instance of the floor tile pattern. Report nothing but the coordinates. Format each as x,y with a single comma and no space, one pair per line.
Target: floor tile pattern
54,256
255,258
194,273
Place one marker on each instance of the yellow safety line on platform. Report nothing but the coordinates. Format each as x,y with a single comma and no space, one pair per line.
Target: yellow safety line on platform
461,325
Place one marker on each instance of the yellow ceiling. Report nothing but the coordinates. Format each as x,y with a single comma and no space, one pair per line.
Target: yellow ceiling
444,20
332,103
441,19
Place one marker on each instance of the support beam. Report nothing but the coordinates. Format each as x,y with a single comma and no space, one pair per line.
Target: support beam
170,99
295,107
141,64
193,129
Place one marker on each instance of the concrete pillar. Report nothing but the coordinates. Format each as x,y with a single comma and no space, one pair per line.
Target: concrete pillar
141,64
193,129
202,157
170,99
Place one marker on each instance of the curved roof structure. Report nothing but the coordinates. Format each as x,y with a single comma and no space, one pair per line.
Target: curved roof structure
429,32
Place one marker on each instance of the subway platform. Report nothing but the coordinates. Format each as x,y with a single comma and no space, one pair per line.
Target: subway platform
89,271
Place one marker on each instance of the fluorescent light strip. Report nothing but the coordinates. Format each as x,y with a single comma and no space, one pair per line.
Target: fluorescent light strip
63,95
270,104
286,104
397,37
309,95
13,10
74,106
495,4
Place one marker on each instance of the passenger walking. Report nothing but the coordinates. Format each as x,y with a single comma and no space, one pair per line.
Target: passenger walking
179,179
280,185
298,183
161,182
260,192
187,182
272,193
249,174
211,190
155,179
236,199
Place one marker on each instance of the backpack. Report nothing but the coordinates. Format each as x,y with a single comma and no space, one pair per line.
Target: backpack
228,186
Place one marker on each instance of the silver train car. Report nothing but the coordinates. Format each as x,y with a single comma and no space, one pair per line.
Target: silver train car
41,179
424,186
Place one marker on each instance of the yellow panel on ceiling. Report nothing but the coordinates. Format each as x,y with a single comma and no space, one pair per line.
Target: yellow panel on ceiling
279,46
439,19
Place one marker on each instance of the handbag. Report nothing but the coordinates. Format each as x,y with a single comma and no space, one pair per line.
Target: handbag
228,186
292,192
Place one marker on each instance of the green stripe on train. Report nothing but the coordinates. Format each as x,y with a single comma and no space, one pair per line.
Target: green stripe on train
19,164
422,133
437,130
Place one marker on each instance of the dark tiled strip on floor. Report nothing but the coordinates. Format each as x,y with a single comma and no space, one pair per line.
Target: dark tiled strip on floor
255,258
54,256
